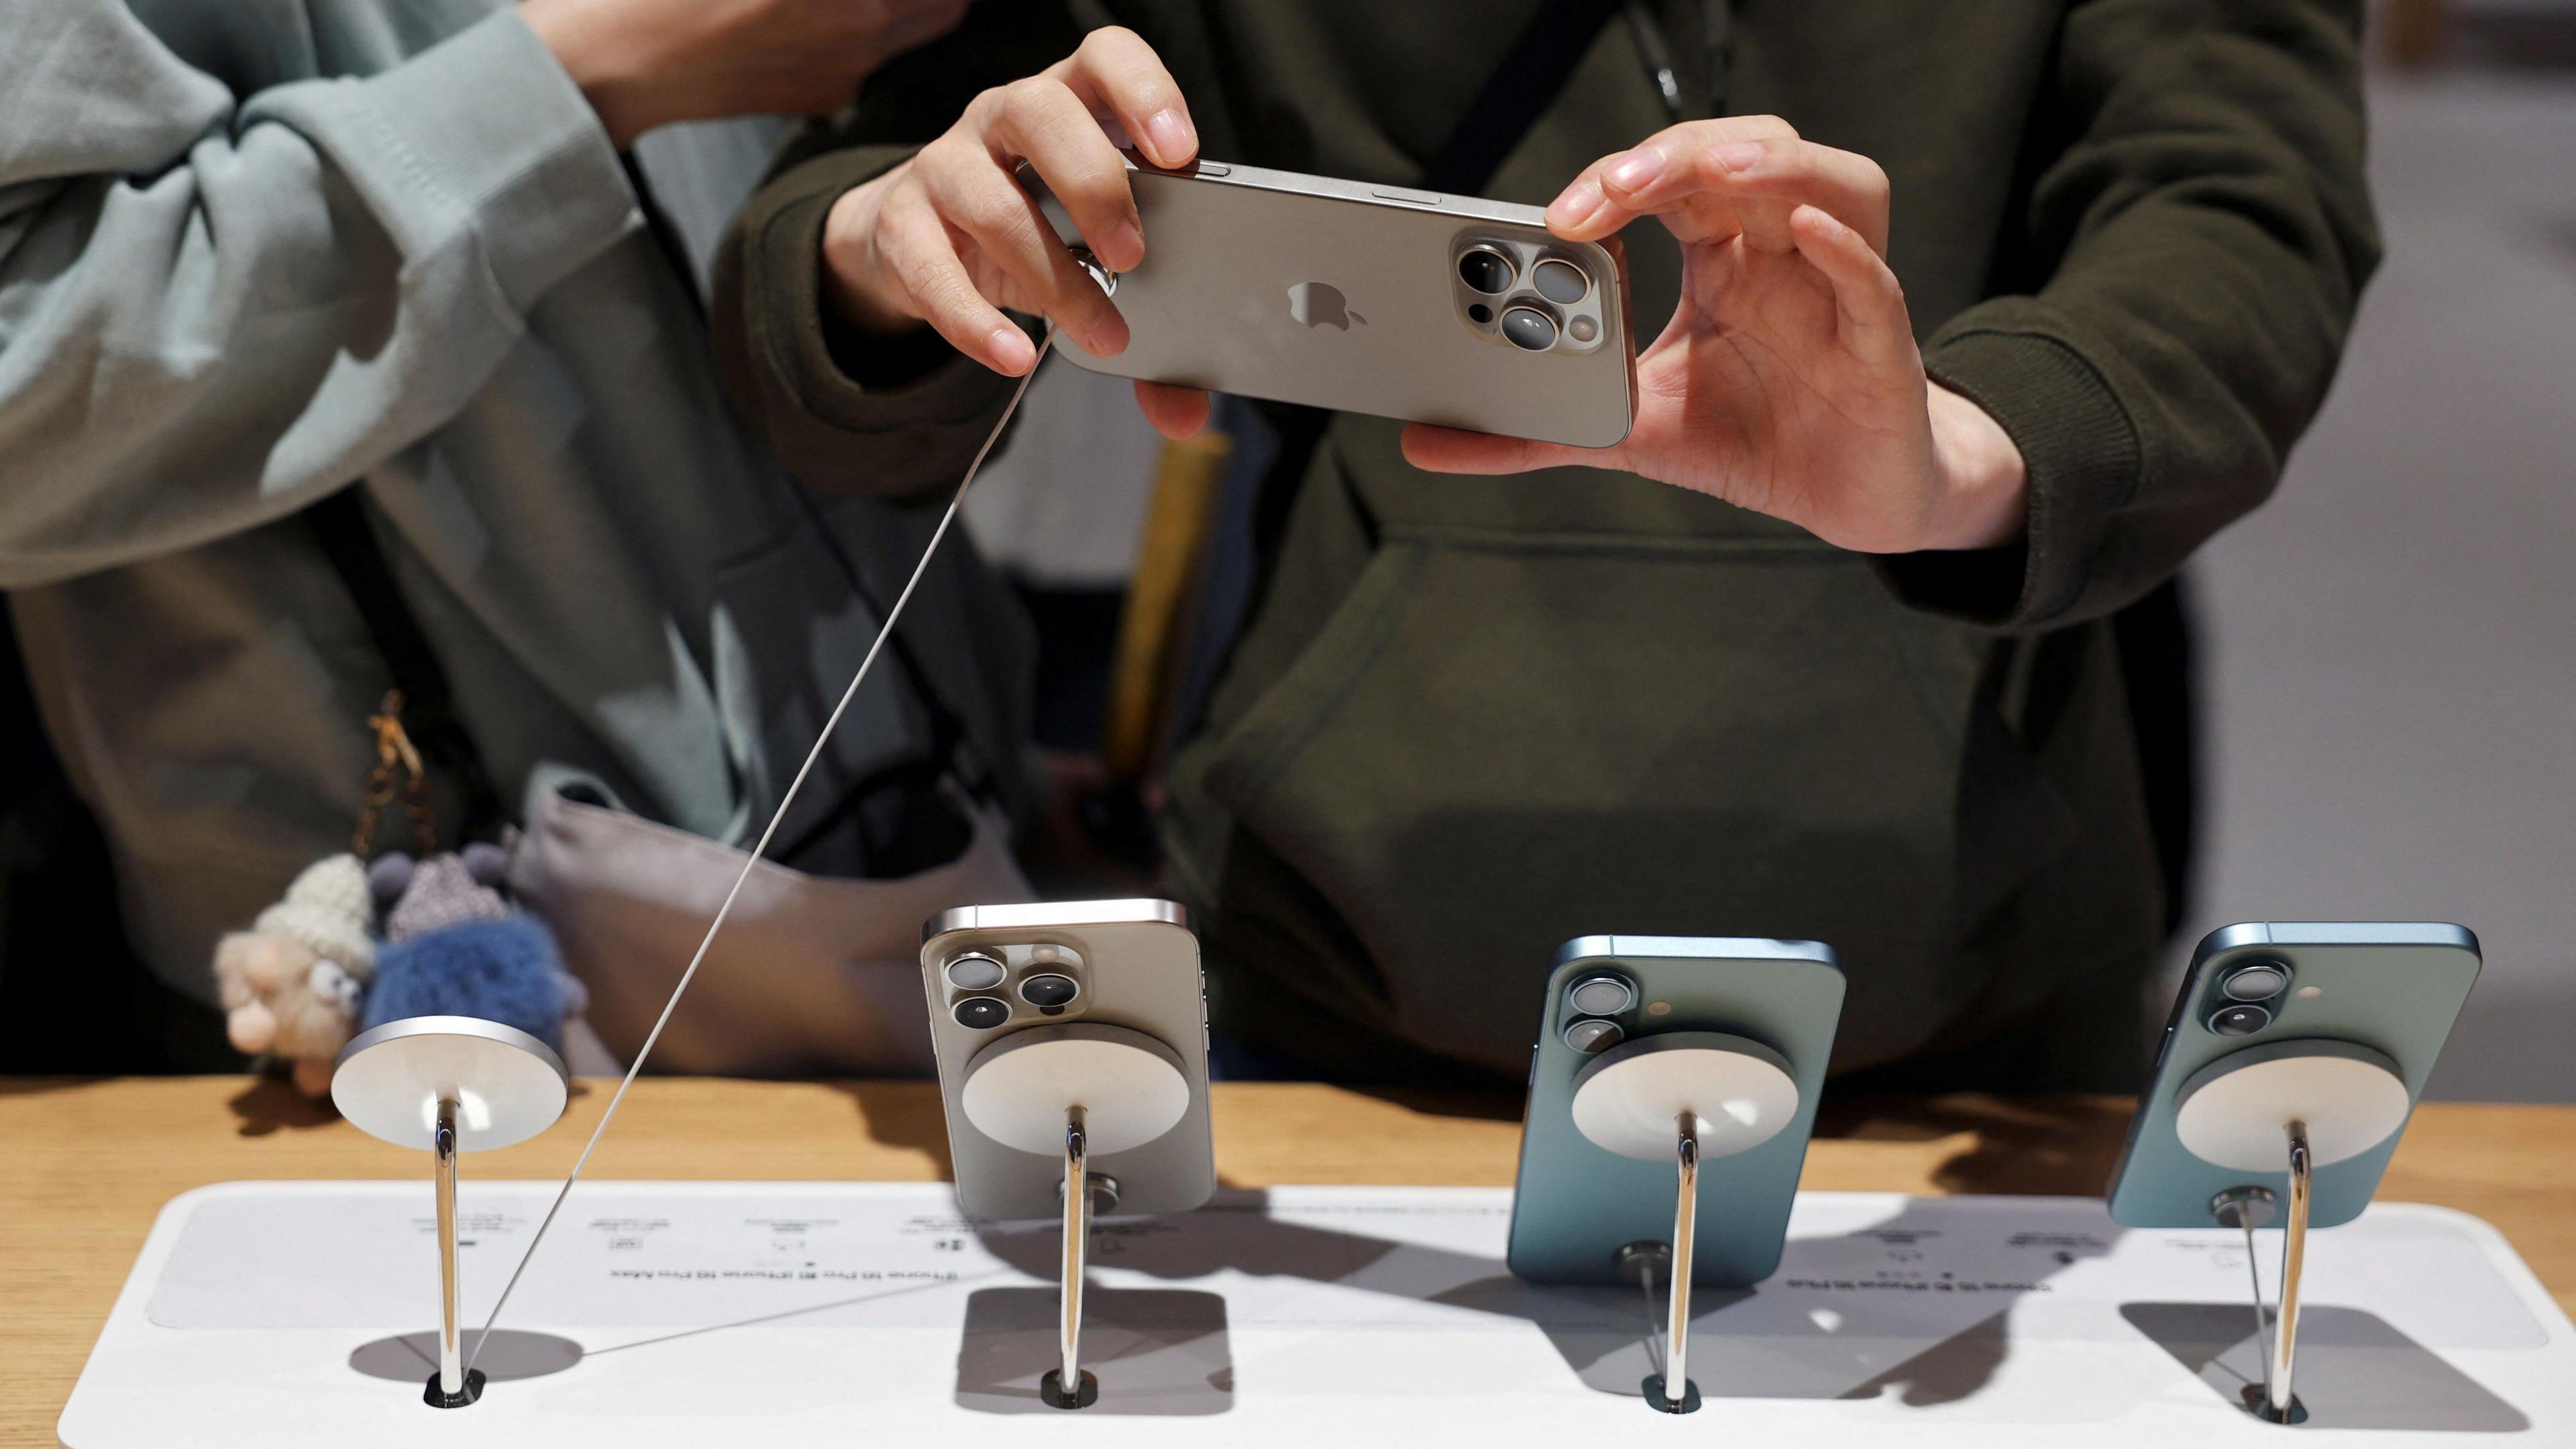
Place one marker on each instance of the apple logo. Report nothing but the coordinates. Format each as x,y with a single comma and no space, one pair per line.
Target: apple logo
1321,304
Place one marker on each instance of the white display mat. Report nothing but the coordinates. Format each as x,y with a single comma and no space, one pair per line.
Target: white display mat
273,1315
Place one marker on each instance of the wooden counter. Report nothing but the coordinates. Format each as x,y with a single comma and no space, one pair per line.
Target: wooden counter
89,1164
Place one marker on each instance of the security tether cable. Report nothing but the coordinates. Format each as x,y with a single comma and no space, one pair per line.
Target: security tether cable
760,849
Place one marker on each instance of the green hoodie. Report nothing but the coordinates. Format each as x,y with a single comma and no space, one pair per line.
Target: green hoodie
1470,718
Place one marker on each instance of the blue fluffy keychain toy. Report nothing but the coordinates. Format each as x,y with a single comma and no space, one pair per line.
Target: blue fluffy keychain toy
453,947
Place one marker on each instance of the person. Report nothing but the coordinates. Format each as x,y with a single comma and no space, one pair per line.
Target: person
1978,326
356,344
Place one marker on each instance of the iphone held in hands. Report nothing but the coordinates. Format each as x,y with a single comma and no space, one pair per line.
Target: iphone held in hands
1371,299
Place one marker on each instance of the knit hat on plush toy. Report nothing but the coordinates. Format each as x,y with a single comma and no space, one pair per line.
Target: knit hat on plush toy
443,892
328,909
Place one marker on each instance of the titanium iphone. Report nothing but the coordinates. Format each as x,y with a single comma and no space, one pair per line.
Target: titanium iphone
991,972
1577,1204
1372,299
2392,988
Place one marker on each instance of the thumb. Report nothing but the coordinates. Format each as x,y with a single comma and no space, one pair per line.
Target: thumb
1452,450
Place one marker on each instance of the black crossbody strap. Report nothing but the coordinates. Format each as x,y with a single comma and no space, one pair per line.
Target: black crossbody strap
1532,74
339,524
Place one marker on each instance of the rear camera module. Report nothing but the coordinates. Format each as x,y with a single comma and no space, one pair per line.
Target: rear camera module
1592,1035
981,1013
1560,282
975,972
2241,1020
1049,990
1603,995
2255,981
1529,329
1487,270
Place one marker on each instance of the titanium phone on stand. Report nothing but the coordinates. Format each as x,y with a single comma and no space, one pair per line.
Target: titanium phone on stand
1117,970
1578,1205
2389,990
1371,299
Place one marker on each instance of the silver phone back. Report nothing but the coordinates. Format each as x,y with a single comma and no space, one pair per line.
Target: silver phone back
1342,295
1140,970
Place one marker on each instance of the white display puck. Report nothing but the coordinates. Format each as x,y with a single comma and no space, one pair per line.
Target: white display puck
507,1085
1130,1087
1629,1099
2236,1111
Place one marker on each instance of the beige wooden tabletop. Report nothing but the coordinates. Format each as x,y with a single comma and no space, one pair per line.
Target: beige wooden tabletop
89,1163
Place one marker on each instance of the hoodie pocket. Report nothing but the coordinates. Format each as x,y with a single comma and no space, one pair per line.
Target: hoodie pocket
1498,743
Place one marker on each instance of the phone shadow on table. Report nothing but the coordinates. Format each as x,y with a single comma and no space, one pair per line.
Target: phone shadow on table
2355,1370
1942,1347
1155,1351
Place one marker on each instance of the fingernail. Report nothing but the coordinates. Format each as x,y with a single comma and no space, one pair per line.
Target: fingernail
1124,247
1635,171
1742,156
1172,136
1008,343
1576,206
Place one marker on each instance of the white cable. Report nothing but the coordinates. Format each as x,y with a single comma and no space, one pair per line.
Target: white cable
885,631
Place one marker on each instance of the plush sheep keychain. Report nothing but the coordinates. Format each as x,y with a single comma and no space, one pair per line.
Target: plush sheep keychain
292,982
453,947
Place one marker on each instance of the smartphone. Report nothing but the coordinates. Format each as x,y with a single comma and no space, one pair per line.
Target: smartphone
1576,1204
2394,988
993,971
1371,299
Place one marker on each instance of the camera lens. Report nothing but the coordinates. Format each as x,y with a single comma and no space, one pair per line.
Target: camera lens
975,973
2255,981
1560,282
2240,1020
1530,329
1603,995
981,1013
1592,1035
1487,270
1049,990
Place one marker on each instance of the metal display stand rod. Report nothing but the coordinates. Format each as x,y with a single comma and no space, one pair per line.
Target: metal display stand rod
1077,1249
451,1364
2276,1332
1685,1231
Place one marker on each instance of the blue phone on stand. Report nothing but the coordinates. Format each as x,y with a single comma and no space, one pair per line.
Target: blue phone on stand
1578,1204
2384,994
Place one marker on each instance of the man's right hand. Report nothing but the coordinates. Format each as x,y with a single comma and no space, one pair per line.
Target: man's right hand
949,238
645,63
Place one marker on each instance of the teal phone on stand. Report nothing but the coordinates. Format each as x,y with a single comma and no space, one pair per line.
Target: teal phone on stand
2390,990
1578,1204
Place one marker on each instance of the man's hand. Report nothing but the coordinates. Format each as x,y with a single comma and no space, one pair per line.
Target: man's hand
645,63
1788,381
949,237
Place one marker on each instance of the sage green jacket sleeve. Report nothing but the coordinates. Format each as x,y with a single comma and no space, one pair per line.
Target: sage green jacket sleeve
2177,292
216,307
895,417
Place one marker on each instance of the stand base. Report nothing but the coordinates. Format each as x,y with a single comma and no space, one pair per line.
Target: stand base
1051,1390
2259,1404
473,1390
1654,1391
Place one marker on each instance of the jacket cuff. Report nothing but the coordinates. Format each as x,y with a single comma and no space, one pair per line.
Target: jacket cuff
2084,461
845,411
484,134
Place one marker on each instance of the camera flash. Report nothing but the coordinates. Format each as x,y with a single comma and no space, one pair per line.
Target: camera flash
2310,993
1659,1008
